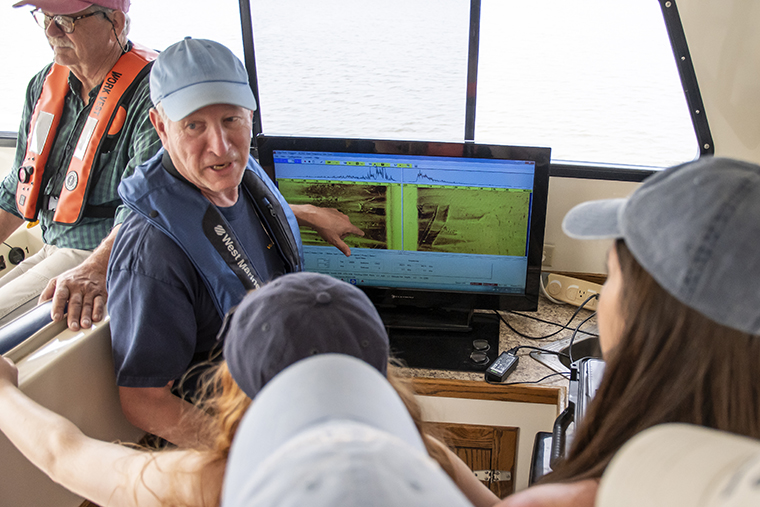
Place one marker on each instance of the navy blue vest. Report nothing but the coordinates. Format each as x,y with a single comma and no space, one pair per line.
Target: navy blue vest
179,210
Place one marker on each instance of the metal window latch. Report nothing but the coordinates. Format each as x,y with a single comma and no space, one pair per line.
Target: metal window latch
493,475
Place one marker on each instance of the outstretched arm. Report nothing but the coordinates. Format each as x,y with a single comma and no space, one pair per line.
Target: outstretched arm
82,287
329,223
571,494
105,473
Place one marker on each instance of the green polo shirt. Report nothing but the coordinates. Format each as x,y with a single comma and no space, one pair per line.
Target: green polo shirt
137,143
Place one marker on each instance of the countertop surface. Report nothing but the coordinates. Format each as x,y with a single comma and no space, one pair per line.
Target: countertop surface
548,319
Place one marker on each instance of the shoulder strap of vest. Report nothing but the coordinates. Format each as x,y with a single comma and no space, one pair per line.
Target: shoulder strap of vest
41,135
222,241
176,207
129,70
273,216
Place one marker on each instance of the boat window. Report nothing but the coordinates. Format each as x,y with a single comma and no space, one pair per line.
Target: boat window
24,52
594,80
160,23
155,23
390,69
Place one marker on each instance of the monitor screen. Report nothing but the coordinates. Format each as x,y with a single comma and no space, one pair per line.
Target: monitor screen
446,225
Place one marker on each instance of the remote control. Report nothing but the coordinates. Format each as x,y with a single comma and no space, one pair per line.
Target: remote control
501,367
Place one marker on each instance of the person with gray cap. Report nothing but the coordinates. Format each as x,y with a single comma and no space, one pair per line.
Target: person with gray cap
207,226
679,318
324,316
84,127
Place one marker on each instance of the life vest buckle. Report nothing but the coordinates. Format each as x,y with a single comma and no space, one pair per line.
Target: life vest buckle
25,173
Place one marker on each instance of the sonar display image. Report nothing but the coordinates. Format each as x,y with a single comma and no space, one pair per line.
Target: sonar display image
470,220
364,203
432,218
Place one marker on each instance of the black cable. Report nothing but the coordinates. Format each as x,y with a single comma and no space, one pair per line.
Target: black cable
561,327
513,350
572,338
529,381
547,321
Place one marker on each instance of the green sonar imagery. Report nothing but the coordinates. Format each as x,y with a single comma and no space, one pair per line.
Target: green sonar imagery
429,218
470,220
364,203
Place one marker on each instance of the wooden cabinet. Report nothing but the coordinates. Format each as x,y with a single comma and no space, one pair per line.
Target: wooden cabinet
488,450
491,427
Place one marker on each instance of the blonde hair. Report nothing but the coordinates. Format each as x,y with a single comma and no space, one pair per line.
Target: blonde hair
221,397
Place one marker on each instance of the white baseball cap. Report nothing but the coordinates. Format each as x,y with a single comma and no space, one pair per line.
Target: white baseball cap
331,431
683,465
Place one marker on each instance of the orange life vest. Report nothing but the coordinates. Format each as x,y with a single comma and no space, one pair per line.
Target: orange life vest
106,119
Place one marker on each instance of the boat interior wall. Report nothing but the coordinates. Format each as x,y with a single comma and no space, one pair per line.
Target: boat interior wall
571,254
6,159
72,374
725,48
29,240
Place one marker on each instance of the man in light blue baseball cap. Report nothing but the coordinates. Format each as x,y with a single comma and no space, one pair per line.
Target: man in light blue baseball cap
208,226
195,73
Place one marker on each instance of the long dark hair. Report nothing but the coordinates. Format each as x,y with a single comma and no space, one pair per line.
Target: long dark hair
672,364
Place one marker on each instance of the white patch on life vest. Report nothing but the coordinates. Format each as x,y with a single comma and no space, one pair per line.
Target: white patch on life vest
72,179
41,131
84,139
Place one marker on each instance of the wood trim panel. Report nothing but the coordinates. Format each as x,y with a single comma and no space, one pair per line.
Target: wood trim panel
451,388
460,435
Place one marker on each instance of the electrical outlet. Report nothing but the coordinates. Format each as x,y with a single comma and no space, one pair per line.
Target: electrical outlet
572,290
548,255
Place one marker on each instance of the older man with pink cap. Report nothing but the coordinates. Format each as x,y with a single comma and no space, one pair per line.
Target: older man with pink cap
84,127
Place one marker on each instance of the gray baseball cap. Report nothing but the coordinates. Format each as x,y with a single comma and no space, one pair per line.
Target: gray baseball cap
695,229
195,73
331,431
296,316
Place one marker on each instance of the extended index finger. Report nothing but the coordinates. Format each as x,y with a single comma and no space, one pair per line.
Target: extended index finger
342,246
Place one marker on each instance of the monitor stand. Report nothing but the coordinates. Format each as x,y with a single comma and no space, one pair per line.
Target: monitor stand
443,339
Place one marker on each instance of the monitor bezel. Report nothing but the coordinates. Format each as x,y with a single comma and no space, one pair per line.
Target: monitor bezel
390,297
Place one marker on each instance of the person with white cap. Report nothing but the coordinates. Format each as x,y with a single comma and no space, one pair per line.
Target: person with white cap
207,226
684,465
341,437
262,337
678,316
83,128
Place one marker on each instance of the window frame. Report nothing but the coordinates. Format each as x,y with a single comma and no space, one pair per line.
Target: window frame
612,172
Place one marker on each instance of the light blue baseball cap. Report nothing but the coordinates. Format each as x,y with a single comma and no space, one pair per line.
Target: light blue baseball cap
195,73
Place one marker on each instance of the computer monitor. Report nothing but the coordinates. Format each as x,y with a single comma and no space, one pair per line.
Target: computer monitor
449,227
